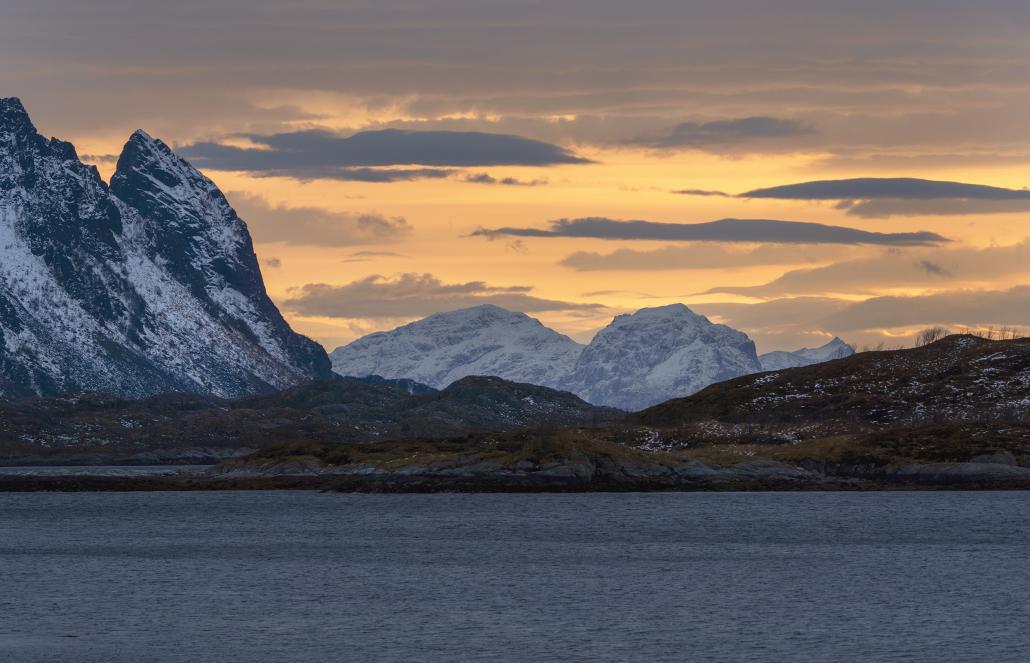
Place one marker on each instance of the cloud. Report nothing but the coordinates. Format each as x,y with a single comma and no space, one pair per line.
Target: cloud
925,268
697,256
868,188
415,295
723,133
272,263
789,323
365,256
323,154
314,226
887,207
725,230
972,308
486,178
780,324
879,197
934,268
702,192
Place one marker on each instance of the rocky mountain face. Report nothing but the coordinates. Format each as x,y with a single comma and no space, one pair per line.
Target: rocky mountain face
656,354
98,428
482,340
835,349
638,360
959,378
150,285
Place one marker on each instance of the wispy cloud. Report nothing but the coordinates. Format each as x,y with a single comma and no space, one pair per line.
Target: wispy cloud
723,133
702,192
725,230
413,295
487,178
314,226
699,256
897,268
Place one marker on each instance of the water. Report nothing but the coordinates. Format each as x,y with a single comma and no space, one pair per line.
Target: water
101,470
304,576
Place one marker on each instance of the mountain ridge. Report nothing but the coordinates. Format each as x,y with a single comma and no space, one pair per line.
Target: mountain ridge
93,295
638,360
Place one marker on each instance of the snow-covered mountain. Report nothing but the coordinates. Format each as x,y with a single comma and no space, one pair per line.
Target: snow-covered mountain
638,360
656,354
780,359
146,286
482,340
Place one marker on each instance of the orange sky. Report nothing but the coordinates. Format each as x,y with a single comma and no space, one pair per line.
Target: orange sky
726,97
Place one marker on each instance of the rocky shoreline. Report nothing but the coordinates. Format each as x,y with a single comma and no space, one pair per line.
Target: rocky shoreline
470,475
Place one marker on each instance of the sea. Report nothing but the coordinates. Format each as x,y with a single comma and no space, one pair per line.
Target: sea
259,576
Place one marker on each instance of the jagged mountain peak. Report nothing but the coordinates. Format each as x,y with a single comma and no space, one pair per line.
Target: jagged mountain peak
13,115
145,286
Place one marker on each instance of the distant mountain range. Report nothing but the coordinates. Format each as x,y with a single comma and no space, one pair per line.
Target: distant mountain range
638,360
776,360
150,285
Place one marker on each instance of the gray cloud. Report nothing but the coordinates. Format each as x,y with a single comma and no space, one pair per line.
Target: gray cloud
724,133
972,308
414,295
934,268
725,230
313,226
879,197
273,262
487,178
780,324
323,154
888,207
365,256
698,256
788,323
702,192
869,188
896,268
923,75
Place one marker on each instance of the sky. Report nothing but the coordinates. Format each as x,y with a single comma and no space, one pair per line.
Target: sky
795,169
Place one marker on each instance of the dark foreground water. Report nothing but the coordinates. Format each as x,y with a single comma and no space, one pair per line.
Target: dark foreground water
300,576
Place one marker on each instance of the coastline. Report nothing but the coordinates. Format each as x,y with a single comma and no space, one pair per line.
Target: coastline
437,484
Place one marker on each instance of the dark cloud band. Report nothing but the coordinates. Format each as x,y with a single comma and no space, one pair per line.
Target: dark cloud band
725,230
870,188
322,154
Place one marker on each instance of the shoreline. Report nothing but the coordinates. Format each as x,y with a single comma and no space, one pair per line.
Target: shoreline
353,484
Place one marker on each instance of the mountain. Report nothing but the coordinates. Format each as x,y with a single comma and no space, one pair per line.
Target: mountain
656,354
150,285
97,428
482,340
638,360
780,359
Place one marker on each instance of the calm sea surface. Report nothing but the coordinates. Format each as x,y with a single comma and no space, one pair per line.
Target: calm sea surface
303,576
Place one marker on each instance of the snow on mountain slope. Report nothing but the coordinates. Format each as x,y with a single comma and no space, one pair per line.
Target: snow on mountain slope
656,354
482,340
835,349
637,361
146,287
